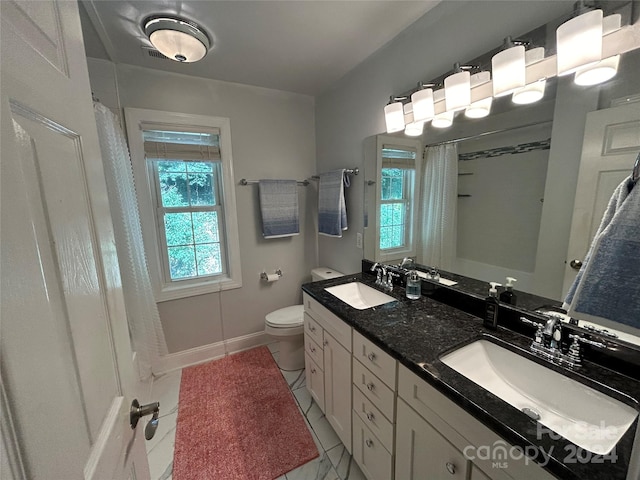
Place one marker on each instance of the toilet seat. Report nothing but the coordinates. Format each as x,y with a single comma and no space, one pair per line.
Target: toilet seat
285,321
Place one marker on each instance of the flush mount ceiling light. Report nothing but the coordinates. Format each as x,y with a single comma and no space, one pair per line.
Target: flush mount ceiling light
178,39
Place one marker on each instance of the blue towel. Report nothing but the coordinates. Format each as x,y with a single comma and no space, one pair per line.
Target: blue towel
332,209
279,208
607,284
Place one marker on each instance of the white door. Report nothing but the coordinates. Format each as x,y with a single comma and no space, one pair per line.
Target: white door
67,373
611,144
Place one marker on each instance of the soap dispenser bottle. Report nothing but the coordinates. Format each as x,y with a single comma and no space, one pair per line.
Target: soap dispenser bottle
508,296
413,289
491,307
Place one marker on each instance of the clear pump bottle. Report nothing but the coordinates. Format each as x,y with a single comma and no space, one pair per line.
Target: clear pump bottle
414,285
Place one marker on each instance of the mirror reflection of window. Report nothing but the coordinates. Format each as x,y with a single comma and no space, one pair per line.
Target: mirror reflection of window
397,198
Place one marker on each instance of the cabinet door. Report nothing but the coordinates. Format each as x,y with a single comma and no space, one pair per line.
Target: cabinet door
477,474
337,388
422,453
372,458
314,380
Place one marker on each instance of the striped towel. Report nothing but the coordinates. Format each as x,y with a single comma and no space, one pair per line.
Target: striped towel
279,208
332,209
605,285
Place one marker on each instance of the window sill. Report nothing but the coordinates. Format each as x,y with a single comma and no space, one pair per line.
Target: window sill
175,292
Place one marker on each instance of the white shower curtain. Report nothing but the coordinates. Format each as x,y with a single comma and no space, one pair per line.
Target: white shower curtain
439,200
145,329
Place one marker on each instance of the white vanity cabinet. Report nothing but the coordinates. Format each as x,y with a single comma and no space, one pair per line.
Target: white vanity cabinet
433,435
327,343
374,401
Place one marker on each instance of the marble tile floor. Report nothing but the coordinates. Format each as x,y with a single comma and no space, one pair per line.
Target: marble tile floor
334,462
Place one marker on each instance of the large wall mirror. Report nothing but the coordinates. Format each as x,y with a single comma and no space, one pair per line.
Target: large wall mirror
532,181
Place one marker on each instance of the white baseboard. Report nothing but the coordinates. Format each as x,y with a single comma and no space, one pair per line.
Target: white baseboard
205,353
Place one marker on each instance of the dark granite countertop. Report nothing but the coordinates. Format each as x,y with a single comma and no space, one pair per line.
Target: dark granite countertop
418,332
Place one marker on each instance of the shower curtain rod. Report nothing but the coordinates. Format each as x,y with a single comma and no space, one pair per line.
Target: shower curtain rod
484,134
347,171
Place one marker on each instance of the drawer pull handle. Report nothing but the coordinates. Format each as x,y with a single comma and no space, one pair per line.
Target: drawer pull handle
312,328
325,343
370,416
313,370
451,468
371,386
369,442
372,356
313,349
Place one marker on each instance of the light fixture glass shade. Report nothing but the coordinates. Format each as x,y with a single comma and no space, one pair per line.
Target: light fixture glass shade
394,117
177,39
422,101
529,94
457,91
579,42
443,120
479,109
600,72
605,69
534,91
508,67
414,129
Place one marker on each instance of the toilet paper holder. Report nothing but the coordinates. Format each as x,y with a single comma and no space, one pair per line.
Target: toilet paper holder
265,277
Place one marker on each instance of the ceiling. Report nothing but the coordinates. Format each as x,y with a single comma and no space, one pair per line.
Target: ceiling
300,46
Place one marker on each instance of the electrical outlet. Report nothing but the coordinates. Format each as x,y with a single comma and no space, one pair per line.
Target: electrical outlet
358,240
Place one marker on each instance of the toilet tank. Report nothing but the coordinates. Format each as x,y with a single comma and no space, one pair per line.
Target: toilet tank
324,273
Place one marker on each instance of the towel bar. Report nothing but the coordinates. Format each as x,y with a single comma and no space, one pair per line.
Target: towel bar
244,181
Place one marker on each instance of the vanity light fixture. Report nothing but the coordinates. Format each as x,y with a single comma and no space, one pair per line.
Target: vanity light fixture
579,42
444,119
394,114
412,128
532,92
479,108
508,68
422,100
457,89
178,39
605,69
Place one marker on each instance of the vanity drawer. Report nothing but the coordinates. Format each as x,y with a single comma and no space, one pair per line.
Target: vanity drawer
337,328
314,350
312,329
315,380
374,389
377,361
373,418
374,460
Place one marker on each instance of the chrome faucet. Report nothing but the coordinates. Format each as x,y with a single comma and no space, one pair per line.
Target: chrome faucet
546,343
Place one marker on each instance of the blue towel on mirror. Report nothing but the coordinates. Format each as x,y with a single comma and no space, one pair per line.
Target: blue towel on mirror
332,208
606,285
279,208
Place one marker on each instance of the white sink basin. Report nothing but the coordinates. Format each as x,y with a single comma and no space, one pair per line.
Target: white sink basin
586,417
360,296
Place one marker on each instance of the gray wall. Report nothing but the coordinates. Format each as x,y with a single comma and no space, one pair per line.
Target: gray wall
351,111
272,135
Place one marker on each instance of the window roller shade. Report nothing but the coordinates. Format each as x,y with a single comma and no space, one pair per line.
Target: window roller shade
398,157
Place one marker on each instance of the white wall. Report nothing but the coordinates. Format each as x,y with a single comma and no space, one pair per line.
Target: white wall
272,136
351,111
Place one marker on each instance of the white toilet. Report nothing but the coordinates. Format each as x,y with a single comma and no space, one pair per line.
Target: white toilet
287,326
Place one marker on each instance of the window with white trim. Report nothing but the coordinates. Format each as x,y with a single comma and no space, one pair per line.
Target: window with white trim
187,169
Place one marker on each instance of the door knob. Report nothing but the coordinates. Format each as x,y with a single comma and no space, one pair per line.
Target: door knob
575,264
138,411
